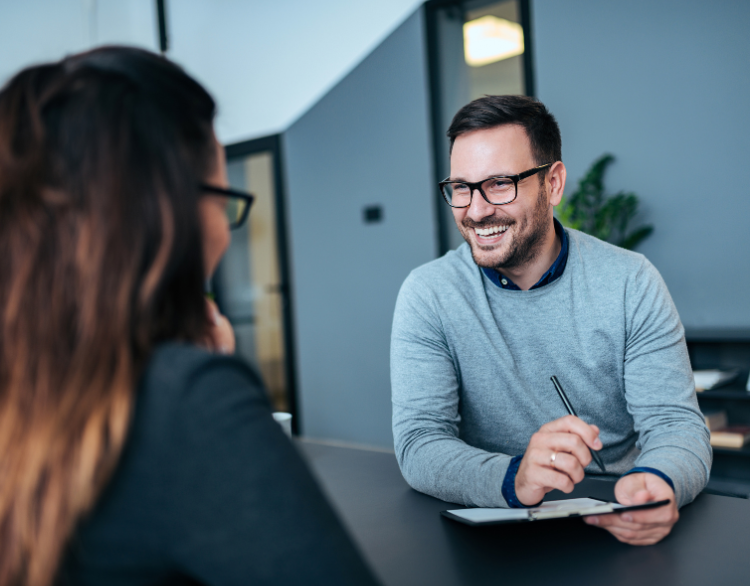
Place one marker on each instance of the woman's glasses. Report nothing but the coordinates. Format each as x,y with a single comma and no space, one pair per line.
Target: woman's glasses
238,205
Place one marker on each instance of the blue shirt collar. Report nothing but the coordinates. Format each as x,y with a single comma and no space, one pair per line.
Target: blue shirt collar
552,274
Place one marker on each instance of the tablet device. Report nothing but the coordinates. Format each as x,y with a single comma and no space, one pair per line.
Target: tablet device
550,510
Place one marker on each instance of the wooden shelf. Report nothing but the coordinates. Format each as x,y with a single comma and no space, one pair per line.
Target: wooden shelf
725,349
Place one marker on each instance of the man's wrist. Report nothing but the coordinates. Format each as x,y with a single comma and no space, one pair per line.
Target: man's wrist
654,471
509,485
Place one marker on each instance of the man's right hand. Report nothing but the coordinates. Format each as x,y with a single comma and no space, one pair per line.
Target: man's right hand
555,458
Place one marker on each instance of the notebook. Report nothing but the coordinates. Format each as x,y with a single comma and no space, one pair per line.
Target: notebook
551,510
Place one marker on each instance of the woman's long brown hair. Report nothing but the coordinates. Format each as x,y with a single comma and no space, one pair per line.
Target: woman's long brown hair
100,259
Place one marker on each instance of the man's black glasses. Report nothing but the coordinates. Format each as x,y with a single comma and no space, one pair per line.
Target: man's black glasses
238,206
497,190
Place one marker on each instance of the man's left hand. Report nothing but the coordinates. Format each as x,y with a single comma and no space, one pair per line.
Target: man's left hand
640,527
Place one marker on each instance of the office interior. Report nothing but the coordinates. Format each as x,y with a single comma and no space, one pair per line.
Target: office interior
334,114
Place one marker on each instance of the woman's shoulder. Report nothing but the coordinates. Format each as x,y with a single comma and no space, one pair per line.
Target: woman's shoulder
208,474
180,363
187,393
179,372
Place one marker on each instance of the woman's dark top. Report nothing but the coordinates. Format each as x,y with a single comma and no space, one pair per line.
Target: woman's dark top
209,490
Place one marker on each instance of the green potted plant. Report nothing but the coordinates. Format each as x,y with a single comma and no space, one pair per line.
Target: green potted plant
607,217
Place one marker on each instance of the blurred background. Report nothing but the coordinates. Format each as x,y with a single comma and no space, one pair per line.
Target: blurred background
334,114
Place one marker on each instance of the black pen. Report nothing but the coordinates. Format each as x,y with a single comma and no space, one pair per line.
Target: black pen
569,407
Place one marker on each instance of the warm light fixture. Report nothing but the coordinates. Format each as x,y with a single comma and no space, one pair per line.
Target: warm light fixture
489,39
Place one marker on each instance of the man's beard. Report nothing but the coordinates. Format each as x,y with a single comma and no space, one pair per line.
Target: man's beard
524,247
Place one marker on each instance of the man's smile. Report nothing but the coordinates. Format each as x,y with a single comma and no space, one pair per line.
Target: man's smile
488,234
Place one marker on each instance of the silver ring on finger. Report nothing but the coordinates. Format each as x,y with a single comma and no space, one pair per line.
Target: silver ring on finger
552,459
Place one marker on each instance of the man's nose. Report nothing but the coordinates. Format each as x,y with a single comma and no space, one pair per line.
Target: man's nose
479,208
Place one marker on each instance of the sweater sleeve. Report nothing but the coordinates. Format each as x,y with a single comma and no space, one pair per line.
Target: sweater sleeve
246,509
659,387
425,393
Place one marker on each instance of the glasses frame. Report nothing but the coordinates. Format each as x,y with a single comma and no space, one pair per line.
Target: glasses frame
478,186
233,193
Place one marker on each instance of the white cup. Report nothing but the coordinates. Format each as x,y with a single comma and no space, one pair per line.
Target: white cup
285,421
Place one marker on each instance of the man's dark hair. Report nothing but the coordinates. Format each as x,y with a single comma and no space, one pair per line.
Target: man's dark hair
490,111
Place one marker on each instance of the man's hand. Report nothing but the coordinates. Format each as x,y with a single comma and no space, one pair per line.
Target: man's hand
555,458
640,527
220,335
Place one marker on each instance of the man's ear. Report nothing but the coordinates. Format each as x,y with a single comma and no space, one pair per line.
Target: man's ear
555,181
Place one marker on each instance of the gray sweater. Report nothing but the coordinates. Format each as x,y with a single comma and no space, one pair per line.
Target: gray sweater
471,365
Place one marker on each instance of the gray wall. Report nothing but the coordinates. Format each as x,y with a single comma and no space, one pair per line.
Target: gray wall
664,86
366,142
661,85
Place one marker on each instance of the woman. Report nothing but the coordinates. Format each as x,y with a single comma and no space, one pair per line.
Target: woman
128,455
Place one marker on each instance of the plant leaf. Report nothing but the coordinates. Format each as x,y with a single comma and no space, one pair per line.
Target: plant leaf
590,210
636,237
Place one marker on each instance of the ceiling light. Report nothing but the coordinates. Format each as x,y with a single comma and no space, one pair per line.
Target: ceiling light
489,39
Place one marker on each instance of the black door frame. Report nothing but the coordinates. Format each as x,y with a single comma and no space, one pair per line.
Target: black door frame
431,8
273,144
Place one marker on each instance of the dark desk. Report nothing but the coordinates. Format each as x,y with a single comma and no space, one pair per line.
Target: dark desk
408,543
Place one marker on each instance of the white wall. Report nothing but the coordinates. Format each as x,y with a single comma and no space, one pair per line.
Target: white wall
34,31
664,86
269,61
265,61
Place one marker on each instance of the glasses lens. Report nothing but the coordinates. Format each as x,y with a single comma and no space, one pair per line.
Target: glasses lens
235,211
457,194
499,190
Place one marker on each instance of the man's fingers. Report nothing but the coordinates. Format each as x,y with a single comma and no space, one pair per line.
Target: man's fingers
562,474
554,479
603,521
547,443
633,532
665,514
638,498
568,441
614,521
571,424
572,444
644,527
569,465
636,537
661,517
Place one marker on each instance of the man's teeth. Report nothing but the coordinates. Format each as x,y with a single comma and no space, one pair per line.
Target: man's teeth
489,231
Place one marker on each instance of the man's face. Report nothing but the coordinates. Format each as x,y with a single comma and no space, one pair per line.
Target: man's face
511,235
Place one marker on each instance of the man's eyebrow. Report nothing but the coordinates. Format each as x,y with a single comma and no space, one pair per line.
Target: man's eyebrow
462,180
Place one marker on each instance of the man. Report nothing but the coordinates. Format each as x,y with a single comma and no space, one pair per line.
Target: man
478,333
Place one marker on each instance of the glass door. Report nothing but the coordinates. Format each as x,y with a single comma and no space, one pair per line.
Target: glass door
251,283
476,47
